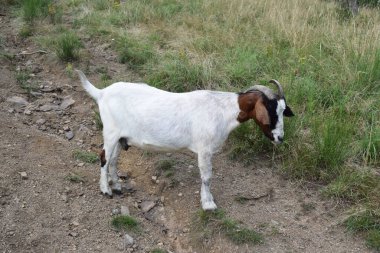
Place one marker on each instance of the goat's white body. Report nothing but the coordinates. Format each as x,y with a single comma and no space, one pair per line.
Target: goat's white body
150,118
154,119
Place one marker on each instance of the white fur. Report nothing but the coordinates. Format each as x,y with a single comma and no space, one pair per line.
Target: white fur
278,132
154,119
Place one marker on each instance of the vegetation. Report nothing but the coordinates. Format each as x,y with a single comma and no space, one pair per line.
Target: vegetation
75,178
23,79
165,167
124,222
217,221
84,156
67,46
327,61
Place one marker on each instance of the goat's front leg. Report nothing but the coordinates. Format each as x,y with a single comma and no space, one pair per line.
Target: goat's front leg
205,168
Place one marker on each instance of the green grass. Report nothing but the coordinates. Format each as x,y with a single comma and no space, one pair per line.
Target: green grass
84,156
67,46
216,221
124,222
158,251
75,178
368,224
23,80
33,9
165,167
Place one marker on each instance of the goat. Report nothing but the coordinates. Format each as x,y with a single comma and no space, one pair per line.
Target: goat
149,118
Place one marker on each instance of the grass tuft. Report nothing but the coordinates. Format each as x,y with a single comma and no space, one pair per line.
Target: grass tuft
158,251
84,156
124,222
67,46
217,221
75,178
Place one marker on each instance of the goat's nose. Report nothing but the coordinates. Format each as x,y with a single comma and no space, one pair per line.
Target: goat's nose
280,139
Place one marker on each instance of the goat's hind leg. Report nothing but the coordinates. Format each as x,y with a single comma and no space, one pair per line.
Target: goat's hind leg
115,184
105,160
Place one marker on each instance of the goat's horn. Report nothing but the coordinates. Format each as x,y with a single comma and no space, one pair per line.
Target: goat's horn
279,87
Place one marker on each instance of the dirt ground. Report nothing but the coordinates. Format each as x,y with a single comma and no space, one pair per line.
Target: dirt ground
42,211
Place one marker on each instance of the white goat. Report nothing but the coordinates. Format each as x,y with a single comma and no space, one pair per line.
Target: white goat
143,116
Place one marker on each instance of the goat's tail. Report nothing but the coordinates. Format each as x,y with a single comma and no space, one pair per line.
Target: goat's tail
91,89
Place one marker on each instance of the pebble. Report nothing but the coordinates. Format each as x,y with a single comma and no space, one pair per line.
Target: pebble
147,205
27,112
124,210
66,128
49,107
154,178
24,176
67,102
180,194
115,211
80,164
75,223
69,135
191,166
20,101
127,240
73,234
40,121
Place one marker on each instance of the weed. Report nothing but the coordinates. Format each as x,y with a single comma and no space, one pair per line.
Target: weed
69,70
363,221
67,46
354,186
133,52
217,221
26,31
84,156
32,9
158,251
75,178
125,222
177,73
165,167
373,239
23,79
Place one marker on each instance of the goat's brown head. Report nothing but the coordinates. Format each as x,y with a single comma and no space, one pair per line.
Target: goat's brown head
267,108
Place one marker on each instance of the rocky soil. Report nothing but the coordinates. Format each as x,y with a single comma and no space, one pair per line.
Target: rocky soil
41,210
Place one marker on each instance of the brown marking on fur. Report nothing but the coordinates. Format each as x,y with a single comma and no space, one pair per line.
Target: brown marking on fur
252,106
102,156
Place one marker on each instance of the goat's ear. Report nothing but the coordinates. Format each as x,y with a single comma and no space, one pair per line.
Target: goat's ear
261,113
288,112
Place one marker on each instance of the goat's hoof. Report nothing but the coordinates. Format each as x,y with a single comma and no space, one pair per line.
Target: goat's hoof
209,206
106,194
117,191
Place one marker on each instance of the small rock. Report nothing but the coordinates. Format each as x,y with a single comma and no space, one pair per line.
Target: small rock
11,110
66,128
147,205
127,240
67,102
27,112
75,223
185,230
40,121
180,194
64,198
80,164
73,234
18,101
191,166
24,176
35,93
69,135
162,199
49,107
154,179
115,211
124,210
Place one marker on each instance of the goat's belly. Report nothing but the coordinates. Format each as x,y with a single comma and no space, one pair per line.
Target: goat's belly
155,147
